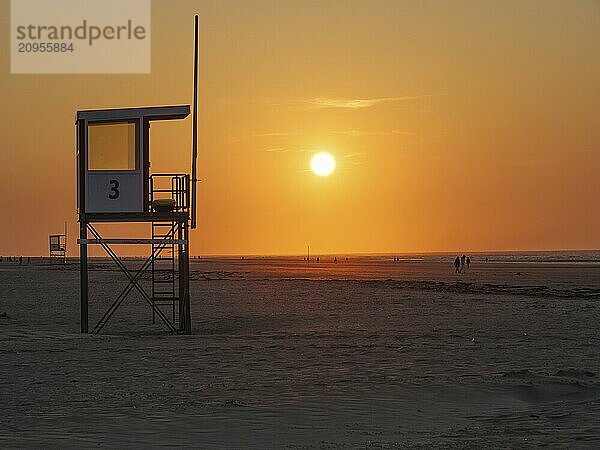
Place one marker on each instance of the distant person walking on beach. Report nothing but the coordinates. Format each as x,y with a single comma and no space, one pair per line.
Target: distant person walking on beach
457,265
468,262
463,261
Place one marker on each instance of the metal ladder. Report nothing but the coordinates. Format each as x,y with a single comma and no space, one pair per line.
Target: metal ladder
165,289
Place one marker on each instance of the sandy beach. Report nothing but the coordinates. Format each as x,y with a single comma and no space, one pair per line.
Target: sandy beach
365,352
297,173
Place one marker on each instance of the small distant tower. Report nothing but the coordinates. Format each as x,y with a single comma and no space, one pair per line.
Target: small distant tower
58,248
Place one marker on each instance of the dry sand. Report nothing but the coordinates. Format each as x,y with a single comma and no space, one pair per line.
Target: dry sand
359,353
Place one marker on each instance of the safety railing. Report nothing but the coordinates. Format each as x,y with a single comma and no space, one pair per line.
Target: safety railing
174,186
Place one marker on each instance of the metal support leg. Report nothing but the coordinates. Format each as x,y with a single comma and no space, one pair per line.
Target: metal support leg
181,278
185,282
83,277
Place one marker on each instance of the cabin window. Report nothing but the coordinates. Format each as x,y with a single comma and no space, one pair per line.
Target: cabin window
112,146
55,243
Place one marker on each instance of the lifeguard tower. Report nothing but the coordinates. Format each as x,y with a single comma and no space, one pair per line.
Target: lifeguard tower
58,248
115,185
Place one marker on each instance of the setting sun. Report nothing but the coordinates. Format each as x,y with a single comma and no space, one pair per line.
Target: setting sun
322,164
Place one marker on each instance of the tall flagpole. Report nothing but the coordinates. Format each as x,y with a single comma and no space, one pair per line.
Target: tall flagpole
195,125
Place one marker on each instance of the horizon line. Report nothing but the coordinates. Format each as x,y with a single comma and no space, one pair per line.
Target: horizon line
279,255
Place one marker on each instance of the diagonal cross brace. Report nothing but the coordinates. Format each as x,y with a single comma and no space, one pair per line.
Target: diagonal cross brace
133,281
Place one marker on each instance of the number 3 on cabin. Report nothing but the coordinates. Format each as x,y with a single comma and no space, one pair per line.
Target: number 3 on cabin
114,189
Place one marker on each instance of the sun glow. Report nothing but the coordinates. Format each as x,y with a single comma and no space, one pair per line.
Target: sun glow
322,164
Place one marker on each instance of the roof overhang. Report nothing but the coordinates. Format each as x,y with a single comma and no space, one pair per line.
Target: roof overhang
149,113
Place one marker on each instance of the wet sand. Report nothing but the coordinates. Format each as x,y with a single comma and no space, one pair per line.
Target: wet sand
359,353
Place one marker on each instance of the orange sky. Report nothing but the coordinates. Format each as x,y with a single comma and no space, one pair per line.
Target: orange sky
464,125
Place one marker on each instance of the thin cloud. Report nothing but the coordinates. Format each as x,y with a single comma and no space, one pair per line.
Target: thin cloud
361,133
262,135
355,155
275,149
355,158
283,134
278,133
283,149
356,103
